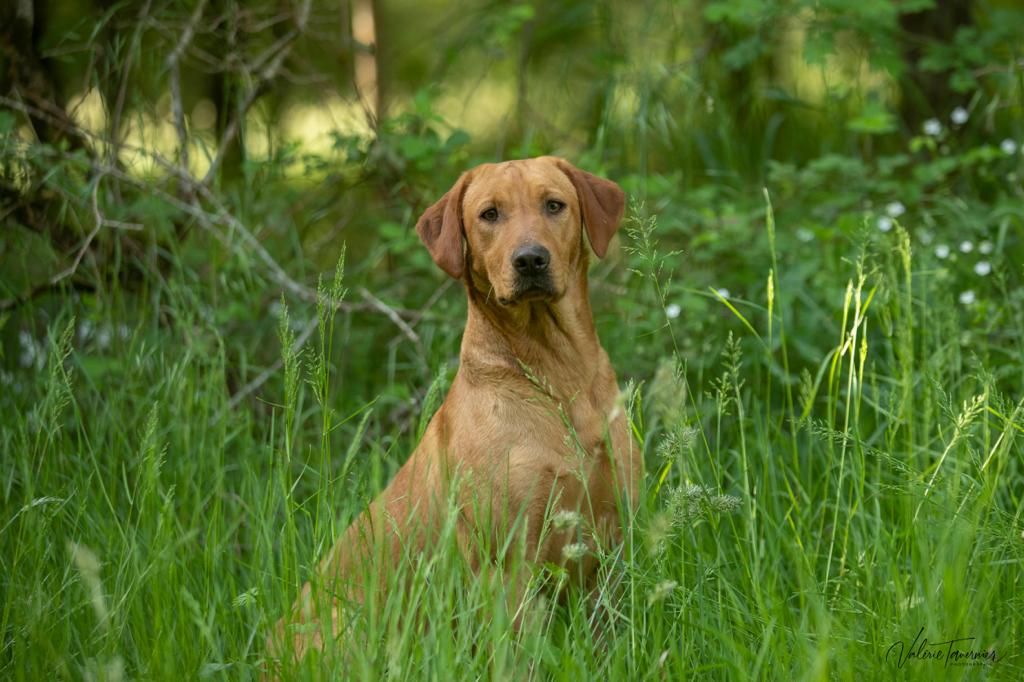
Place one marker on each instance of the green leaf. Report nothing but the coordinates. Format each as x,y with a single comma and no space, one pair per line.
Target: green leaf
873,120
6,122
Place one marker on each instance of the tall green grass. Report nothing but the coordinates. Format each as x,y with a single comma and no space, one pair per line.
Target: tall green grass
795,523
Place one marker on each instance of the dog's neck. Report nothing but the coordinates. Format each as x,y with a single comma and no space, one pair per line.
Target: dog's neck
541,342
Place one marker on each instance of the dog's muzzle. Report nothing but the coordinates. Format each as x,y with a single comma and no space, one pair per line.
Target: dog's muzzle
533,276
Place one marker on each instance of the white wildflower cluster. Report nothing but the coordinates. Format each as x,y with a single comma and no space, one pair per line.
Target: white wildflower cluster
102,335
566,519
33,351
575,551
893,210
982,268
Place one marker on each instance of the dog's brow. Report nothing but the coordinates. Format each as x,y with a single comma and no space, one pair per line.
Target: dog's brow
510,167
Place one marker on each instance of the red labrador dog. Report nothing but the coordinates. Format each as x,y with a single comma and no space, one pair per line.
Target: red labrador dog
533,424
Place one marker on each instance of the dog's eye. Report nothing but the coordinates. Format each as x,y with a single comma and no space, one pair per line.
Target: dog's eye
554,206
490,215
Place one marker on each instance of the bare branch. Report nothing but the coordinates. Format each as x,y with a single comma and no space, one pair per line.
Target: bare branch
219,221
98,220
122,91
174,76
391,315
273,58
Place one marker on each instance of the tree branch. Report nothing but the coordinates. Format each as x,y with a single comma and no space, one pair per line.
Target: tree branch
174,76
273,58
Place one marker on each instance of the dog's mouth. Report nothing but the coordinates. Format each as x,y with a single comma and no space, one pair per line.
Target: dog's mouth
531,289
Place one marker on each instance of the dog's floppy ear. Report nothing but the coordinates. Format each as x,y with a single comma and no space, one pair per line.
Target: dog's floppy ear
602,203
440,228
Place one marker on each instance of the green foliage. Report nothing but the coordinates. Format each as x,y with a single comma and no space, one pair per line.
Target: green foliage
816,302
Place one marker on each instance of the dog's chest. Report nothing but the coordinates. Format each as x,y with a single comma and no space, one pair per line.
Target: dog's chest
589,425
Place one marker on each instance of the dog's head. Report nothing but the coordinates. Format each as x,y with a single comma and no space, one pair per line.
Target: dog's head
515,228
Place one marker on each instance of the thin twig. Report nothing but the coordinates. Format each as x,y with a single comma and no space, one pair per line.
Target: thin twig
393,316
99,222
174,76
98,219
418,316
274,58
113,151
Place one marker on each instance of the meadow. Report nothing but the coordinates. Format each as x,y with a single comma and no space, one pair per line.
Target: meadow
816,314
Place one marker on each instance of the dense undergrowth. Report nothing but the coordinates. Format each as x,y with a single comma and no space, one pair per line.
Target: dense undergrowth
816,314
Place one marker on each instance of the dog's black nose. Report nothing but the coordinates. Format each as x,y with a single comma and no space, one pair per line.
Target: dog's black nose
531,259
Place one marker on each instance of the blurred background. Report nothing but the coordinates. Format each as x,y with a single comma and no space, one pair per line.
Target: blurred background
195,165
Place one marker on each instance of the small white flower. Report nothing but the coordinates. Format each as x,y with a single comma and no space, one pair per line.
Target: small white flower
723,292
985,247
942,251
31,352
932,127
967,297
1008,146
884,223
925,236
103,337
959,116
966,246
982,268
804,235
566,519
673,310
574,551
895,209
